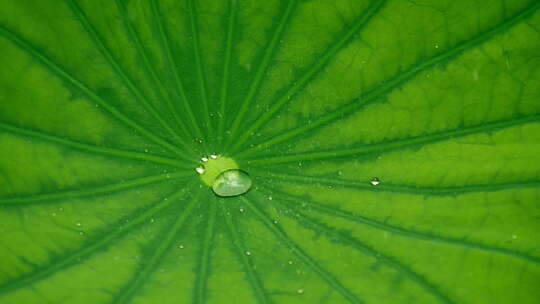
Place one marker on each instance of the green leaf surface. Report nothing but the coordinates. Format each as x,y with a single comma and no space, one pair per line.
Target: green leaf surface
393,148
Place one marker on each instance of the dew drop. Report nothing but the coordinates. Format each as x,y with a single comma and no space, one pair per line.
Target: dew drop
232,183
214,156
146,150
81,233
375,181
200,170
181,246
248,252
204,159
270,198
78,224
152,220
242,210
300,290
53,214
290,262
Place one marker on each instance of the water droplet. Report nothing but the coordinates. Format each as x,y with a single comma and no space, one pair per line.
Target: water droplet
270,198
514,236
242,209
53,214
248,252
61,209
152,220
436,46
300,290
275,222
181,246
168,176
81,233
375,181
232,183
290,262
145,150
214,156
78,224
200,170
204,159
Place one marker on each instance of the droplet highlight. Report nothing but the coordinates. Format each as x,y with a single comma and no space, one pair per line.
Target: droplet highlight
232,183
200,170
375,181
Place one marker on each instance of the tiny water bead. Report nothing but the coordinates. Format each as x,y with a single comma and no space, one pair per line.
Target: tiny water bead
224,176
375,181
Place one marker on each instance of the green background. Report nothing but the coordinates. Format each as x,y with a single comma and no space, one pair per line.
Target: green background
107,106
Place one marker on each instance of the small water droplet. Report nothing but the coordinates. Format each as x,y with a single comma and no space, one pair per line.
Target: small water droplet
290,262
436,46
232,183
200,170
181,246
270,198
242,209
82,233
340,173
300,290
214,156
145,150
275,222
53,214
78,224
248,252
514,236
152,220
375,181
204,159
61,209
168,176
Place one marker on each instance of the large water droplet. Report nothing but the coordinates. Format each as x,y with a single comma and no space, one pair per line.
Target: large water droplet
232,183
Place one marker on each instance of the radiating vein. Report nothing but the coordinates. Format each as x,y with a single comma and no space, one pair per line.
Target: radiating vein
346,239
113,62
199,66
151,70
203,268
94,149
293,201
311,72
304,257
95,245
68,78
137,281
253,277
263,66
375,94
393,188
391,145
84,191
180,89
224,93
